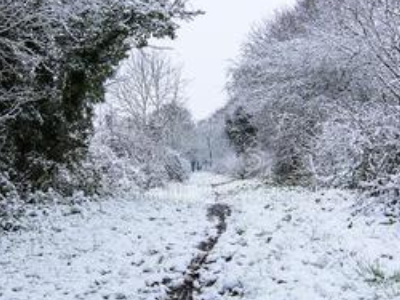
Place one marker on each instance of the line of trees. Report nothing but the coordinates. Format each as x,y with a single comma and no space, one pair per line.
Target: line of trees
321,82
144,132
55,58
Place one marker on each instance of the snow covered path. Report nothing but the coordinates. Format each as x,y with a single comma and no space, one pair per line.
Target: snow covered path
275,244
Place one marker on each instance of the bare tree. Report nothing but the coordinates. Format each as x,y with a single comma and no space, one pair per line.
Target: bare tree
147,82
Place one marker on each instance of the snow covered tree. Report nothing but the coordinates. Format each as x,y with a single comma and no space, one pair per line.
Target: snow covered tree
241,132
321,81
173,126
145,123
147,81
55,58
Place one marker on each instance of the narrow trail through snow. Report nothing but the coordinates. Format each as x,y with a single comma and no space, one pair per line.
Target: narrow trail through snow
191,284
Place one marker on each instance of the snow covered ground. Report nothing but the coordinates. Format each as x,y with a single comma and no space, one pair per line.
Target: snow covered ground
280,244
287,244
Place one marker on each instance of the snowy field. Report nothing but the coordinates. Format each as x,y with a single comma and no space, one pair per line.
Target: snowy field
292,245
280,244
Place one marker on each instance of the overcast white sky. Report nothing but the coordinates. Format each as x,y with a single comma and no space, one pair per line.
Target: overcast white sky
207,46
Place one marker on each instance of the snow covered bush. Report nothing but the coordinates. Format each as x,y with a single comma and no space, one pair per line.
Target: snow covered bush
138,163
116,171
163,169
176,166
242,134
337,154
84,176
11,205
